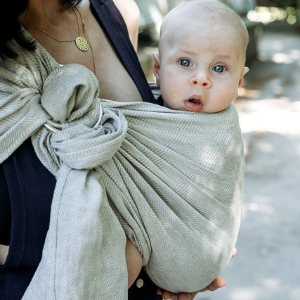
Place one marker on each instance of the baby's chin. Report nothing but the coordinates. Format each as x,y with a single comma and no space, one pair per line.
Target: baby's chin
175,107
214,110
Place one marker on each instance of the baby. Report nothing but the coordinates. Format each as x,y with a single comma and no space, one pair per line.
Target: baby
201,59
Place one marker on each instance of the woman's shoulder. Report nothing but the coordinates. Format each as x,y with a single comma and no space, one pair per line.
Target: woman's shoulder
128,9
131,15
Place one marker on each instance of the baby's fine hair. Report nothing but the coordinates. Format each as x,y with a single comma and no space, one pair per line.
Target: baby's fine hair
212,10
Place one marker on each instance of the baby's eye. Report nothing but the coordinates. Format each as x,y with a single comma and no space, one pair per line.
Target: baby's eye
185,63
219,69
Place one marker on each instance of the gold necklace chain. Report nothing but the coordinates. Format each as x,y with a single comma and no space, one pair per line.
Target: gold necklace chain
87,36
81,43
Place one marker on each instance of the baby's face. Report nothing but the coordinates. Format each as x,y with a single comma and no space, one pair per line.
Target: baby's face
200,69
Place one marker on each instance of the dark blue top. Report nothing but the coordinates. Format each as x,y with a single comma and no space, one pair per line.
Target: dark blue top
26,186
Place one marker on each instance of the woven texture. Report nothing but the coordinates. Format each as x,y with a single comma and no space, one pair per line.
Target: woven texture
169,180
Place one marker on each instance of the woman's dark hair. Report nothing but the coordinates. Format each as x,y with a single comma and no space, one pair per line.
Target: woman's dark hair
11,28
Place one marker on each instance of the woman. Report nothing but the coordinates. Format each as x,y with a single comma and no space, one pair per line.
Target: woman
24,181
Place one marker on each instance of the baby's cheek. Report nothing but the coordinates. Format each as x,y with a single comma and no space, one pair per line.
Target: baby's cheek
172,87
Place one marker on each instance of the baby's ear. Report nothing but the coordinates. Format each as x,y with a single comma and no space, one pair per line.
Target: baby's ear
244,72
156,67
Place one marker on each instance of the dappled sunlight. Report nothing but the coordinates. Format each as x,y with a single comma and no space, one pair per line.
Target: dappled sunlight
270,14
295,54
246,294
294,293
266,210
256,293
271,115
266,147
282,58
280,48
151,14
262,206
272,283
248,93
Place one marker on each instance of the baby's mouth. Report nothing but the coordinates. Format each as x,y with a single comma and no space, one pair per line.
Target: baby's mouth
194,103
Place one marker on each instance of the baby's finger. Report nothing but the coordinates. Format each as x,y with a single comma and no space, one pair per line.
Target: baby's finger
168,295
187,296
216,284
234,252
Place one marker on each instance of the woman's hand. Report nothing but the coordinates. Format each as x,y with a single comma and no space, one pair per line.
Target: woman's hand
216,284
3,254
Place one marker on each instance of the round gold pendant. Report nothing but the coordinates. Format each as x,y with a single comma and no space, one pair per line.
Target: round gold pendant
82,43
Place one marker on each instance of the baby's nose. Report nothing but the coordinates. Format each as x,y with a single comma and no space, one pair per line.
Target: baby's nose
201,80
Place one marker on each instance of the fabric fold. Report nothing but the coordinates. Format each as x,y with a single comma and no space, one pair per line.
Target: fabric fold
170,181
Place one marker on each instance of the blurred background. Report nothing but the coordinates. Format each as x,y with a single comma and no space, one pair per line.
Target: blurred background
267,265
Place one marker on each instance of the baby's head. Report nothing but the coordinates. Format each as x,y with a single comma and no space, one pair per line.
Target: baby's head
201,59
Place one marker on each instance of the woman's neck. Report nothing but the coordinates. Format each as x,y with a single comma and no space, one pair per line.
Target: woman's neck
46,14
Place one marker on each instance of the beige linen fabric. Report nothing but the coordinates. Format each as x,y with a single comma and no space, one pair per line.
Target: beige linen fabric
169,180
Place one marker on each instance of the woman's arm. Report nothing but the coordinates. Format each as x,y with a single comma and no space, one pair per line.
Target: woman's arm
134,262
131,15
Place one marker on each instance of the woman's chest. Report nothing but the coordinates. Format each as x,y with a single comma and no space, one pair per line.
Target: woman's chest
100,58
